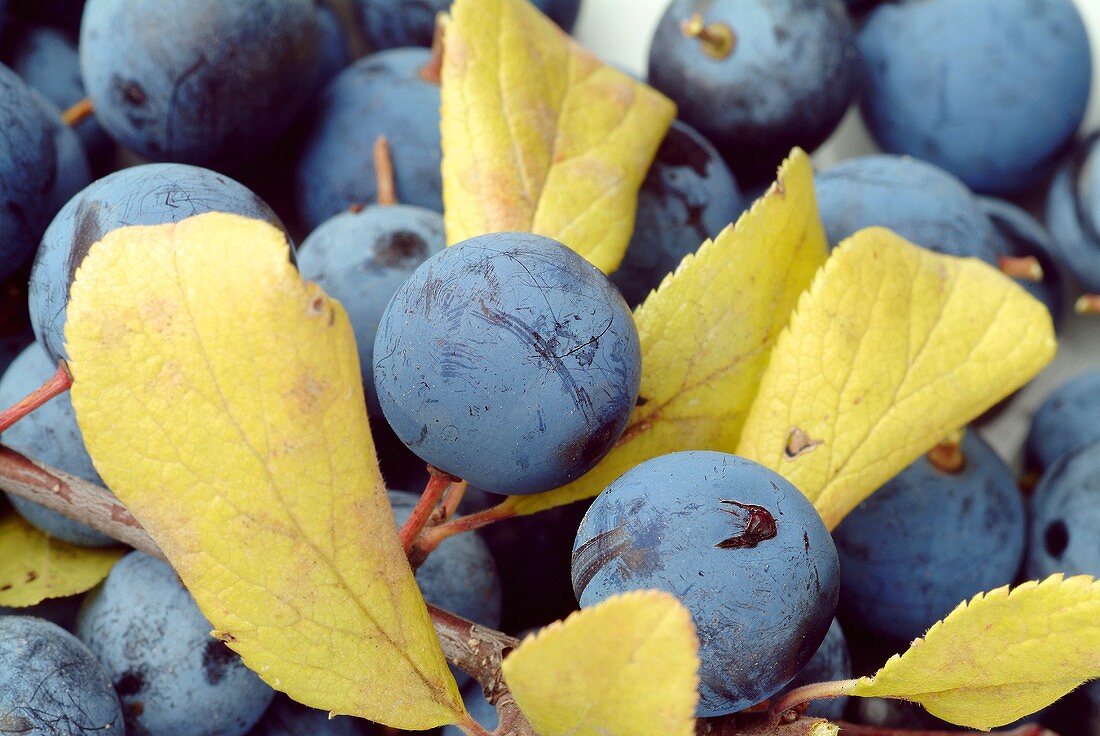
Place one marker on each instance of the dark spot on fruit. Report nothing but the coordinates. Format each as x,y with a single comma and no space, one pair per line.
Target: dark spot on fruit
5,586
587,450
591,557
31,576
394,249
86,233
759,525
134,93
1056,539
805,541
642,401
131,683
216,659
15,724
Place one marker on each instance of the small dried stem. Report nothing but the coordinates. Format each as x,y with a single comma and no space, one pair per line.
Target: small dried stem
1087,304
78,113
717,39
1022,268
432,72
383,172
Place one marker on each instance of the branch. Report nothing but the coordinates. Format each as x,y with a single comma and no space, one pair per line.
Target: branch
475,649
73,497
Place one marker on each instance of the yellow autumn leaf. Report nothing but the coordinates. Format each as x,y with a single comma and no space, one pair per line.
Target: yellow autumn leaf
892,349
628,666
220,399
1000,657
708,331
35,566
539,135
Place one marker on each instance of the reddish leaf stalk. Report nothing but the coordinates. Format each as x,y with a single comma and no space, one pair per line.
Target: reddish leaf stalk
55,385
432,537
437,485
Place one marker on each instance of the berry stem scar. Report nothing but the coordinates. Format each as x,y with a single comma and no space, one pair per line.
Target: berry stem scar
55,385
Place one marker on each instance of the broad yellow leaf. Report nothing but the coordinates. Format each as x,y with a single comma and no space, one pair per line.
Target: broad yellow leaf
1002,656
628,666
539,135
220,398
708,331
892,349
35,566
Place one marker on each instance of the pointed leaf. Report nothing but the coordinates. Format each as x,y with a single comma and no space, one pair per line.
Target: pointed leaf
1002,656
892,349
35,566
539,135
220,399
628,666
708,331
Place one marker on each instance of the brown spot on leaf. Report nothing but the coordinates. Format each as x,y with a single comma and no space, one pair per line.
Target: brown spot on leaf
799,443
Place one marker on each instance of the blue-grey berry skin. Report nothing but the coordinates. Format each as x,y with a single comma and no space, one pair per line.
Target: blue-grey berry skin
50,435
287,718
1065,517
203,82
50,684
390,24
28,171
361,258
897,546
1068,420
830,662
15,321
1073,212
334,49
990,90
381,94
789,78
479,708
509,361
1018,234
151,194
73,170
740,546
688,195
918,201
49,62
460,576
172,677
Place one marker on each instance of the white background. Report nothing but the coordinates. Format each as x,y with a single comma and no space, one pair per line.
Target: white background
620,30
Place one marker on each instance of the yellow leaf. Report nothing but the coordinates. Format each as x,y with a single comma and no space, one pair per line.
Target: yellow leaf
892,349
220,399
628,666
708,331
539,135
35,566
1002,656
